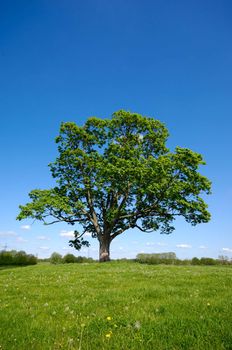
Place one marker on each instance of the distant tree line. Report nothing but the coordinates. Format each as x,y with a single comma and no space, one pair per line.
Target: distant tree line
21,258
171,259
16,258
69,258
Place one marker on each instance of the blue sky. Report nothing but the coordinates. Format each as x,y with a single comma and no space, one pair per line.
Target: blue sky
68,60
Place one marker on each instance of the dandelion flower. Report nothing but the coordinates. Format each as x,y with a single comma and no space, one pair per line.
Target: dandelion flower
109,318
70,341
137,325
108,335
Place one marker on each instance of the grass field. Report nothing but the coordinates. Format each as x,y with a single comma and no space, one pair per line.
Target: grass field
115,305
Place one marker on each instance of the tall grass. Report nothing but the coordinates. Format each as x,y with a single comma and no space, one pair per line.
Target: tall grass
115,306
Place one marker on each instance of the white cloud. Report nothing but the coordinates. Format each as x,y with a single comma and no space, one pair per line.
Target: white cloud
149,243
43,238
25,227
202,247
21,240
64,233
185,246
228,250
94,249
7,234
44,248
88,234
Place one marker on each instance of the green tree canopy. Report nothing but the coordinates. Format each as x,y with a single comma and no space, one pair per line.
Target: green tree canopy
116,174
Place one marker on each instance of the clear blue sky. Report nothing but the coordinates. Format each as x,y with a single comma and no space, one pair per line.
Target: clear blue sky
68,60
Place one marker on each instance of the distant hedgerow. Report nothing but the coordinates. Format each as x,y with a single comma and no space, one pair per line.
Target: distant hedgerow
157,258
56,258
69,258
20,258
171,259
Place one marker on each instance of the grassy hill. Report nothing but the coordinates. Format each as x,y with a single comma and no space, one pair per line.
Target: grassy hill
116,305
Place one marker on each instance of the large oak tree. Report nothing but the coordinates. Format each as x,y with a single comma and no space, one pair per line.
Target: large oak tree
116,174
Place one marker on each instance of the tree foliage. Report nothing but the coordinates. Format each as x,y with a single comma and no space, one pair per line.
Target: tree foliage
18,258
115,174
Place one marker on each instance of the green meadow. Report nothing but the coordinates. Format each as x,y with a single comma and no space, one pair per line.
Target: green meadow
115,305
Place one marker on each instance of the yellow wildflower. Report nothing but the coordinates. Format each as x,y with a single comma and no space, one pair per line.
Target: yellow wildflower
109,318
108,335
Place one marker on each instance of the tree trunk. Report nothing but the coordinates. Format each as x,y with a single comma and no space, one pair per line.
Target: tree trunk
104,250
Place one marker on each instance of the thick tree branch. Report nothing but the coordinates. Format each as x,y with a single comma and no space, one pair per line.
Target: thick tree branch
119,232
141,229
124,199
93,217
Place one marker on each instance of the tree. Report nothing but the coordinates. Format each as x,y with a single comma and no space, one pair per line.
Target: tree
69,258
116,174
56,258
